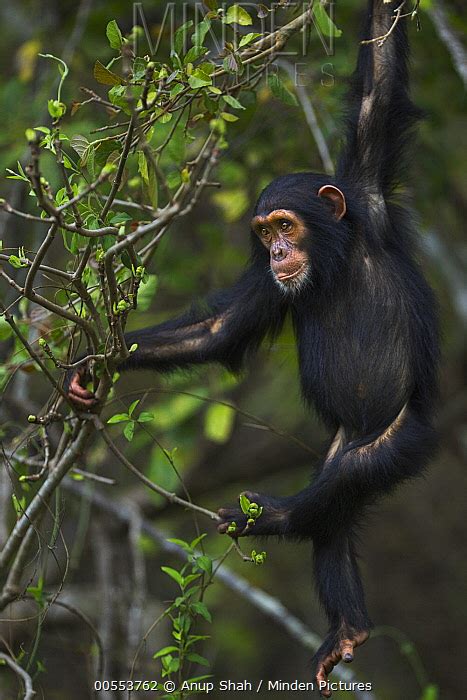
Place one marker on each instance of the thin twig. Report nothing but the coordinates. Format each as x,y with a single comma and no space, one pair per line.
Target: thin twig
380,40
25,677
59,467
12,588
311,118
138,583
34,356
82,616
207,399
40,255
171,497
43,268
118,178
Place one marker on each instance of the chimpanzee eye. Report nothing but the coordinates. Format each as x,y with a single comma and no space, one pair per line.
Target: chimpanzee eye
265,233
286,225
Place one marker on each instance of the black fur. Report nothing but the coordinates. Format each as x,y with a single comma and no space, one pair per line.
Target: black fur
365,323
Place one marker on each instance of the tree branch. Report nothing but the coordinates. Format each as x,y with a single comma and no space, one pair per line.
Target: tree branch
25,677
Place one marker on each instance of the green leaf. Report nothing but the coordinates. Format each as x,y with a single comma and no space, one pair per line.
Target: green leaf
17,262
15,176
105,76
118,418
173,666
55,108
197,540
237,15
164,652
218,423
282,93
147,292
143,167
129,430
194,53
174,179
5,329
79,144
19,504
200,609
139,68
91,162
114,35
207,67
197,659
132,407
120,218
173,574
230,100
145,417
180,37
324,22
200,32
226,116
117,97
248,38
153,189
244,503
204,563
181,543
148,174
199,79
176,90
37,591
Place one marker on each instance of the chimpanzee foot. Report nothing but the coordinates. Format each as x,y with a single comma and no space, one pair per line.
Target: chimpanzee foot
338,646
265,516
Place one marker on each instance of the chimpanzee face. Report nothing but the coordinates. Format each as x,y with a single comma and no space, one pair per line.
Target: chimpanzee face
282,232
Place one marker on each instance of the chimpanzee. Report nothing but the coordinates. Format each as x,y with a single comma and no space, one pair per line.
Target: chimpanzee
336,253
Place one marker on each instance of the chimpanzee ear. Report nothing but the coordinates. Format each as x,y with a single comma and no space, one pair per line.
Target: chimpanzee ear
337,199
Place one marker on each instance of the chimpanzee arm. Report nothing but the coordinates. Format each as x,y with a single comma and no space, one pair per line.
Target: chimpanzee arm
381,114
230,325
227,327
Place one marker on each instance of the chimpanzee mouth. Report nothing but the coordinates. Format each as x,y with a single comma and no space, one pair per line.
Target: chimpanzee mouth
292,275
293,283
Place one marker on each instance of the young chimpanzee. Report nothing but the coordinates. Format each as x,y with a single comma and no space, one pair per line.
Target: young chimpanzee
336,253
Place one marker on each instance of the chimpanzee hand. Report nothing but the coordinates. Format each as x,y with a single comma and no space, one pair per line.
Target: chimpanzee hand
77,393
338,646
266,516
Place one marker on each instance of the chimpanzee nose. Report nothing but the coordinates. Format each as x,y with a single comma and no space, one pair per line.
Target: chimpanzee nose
278,251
